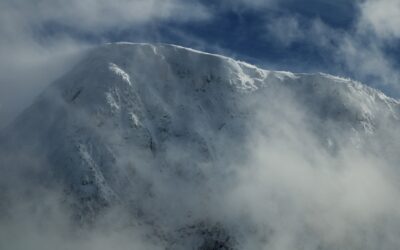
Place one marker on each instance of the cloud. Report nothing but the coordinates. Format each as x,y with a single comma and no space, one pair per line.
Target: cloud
364,48
44,222
268,180
382,17
94,16
280,188
369,61
41,39
296,193
360,51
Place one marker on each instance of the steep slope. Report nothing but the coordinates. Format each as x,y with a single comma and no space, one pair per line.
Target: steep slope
143,125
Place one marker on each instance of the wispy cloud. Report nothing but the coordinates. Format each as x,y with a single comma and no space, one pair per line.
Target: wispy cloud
33,56
269,179
382,17
360,50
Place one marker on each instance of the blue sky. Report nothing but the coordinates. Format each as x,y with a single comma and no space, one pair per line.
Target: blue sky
359,39
240,31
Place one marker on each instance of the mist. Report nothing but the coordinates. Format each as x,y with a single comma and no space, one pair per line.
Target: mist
298,164
281,176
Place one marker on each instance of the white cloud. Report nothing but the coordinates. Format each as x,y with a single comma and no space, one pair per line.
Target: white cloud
100,15
368,60
275,188
31,58
290,188
382,17
359,49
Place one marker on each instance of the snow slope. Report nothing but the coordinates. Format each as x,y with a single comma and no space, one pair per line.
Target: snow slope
144,125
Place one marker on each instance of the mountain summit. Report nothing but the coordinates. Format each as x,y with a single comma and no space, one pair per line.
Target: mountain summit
163,131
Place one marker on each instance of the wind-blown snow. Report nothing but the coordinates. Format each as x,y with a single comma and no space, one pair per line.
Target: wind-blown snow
114,68
207,151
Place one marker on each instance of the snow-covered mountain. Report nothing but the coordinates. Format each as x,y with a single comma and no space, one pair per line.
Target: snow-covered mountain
162,130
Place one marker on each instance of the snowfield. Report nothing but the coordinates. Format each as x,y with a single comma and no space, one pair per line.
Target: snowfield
200,151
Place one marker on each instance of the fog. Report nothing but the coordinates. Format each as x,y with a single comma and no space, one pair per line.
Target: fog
276,183
283,173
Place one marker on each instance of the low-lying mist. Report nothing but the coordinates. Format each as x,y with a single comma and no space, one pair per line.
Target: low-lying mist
276,176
